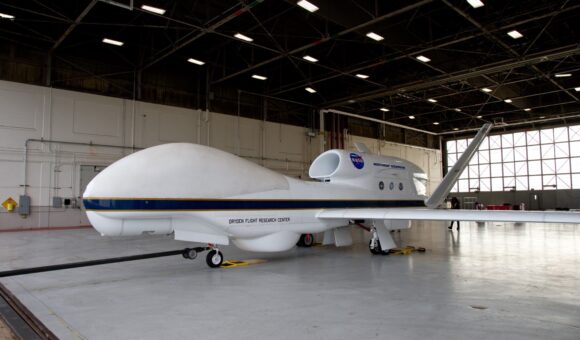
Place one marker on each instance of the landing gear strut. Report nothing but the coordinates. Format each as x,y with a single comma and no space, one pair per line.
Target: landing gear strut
375,244
213,259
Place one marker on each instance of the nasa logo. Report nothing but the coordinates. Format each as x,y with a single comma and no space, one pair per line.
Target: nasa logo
357,161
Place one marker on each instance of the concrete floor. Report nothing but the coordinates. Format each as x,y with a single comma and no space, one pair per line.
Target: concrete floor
491,281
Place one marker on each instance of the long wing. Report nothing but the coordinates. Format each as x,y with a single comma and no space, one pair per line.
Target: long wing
451,214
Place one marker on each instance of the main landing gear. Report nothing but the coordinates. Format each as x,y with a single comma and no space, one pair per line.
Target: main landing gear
375,244
306,240
213,259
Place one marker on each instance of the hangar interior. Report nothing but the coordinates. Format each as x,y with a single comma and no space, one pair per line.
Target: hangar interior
85,83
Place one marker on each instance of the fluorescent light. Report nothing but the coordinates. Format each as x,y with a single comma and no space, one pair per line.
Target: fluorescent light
113,42
475,3
423,59
6,16
307,6
362,76
508,101
435,123
259,77
458,110
527,109
577,89
195,61
455,129
309,58
432,100
243,37
515,34
384,109
374,36
310,89
411,117
562,75
485,89
479,117
153,9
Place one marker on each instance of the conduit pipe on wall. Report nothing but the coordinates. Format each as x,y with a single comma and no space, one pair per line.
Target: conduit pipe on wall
373,120
48,141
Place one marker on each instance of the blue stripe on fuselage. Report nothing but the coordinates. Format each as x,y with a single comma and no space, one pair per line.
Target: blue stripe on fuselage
227,204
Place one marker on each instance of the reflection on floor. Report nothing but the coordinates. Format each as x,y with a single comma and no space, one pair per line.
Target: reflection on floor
489,281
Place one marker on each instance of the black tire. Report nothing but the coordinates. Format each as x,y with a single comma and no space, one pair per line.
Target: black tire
300,242
214,258
307,240
190,253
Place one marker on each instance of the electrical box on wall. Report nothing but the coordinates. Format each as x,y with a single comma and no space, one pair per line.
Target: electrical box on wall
24,205
57,202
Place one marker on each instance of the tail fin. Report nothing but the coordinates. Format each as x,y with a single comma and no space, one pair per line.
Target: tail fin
449,180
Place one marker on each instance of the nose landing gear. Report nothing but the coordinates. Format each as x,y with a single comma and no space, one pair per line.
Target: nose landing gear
213,259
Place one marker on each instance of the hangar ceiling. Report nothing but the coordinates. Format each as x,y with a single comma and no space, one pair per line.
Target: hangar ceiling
533,79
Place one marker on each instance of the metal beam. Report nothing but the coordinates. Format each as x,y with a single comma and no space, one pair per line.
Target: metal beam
72,26
204,31
566,51
325,39
377,121
433,46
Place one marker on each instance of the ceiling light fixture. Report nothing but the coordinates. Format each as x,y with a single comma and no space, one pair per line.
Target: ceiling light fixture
562,75
475,3
309,58
310,7
362,76
6,16
195,61
432,100
527,109
577,89
374,36
259,77
310,89
542,117
152,9
515,34
435,123
479,117
423,59
455,129
384,109
411,117
243,37
458,109
113,42
508,101
486,90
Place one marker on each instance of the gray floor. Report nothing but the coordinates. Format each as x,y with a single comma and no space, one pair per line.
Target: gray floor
493,281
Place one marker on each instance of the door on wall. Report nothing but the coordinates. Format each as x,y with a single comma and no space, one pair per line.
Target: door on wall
88,172
535,200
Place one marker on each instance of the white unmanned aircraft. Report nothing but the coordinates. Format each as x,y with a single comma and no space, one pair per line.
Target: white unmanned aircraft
201,194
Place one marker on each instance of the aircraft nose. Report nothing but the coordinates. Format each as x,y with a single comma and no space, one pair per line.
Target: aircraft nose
102,220
105,225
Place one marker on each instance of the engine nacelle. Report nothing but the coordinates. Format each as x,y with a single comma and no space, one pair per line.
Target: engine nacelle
342,164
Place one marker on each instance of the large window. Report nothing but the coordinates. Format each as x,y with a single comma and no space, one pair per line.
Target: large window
546,159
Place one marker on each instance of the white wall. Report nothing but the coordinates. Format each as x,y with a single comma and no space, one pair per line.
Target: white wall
34,112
